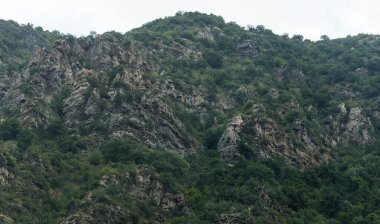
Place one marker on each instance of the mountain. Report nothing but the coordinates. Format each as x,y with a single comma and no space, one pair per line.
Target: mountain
188,119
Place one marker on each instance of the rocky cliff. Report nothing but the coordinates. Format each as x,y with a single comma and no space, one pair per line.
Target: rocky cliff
140,127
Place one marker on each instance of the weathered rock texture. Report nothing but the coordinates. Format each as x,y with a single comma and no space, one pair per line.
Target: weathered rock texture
101,100
233,218
228,143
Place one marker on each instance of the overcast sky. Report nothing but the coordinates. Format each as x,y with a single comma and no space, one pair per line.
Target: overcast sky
310,18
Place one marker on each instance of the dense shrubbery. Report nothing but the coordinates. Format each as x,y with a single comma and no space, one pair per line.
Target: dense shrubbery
343,191
17,44
58,172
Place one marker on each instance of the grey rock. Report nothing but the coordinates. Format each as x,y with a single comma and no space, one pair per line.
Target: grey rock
274,94
144,186
358,126
5,176
278,73
228,143
232,218
6,219
80,66
258,107
249,49
206,33
296,75
78,218
265,137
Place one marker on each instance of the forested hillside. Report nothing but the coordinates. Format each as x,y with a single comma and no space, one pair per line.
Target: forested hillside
188,119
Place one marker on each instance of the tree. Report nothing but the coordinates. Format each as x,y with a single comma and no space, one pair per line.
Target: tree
325,37
214,59
9,129
297,37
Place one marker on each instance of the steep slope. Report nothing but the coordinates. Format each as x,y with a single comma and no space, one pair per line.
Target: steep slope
112,84
18,43
110,99
186,119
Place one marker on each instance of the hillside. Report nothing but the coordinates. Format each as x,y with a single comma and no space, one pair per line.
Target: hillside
188,119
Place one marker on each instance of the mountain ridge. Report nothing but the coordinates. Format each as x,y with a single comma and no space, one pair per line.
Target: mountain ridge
183,90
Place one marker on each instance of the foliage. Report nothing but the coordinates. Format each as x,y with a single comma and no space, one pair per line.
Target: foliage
58,172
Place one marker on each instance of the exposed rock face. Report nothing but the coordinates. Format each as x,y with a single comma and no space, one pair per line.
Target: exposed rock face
358,126
5,176
363,72
182,51
249,49
78,218
296,75
233,218
278,73
143,186
346,92
207,34
274,94
228,143
111,214
351,126
269,141
5,219
268,201
258,107
140,185
304,136
128,104
116,88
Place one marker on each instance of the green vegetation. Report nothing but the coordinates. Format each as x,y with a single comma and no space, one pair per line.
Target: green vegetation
17,43
54,172
56,181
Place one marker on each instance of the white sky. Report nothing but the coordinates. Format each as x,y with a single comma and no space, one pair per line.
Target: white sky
310,18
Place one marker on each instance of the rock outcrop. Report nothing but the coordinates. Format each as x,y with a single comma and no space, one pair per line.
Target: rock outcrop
228,143
249,49
269,141
351,126
206,33
232,218
5,219
144,186
358,126
101,100
5,174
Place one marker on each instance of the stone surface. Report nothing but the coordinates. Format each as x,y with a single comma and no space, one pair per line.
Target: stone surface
143,186
232,218
141,114
228,143
249,49
5,219
274,94
358,126
5,176
265,138
206,33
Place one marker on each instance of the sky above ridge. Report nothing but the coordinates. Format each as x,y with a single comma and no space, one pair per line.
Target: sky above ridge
310,18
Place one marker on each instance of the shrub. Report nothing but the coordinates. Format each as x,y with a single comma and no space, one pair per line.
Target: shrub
9,129
213,58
